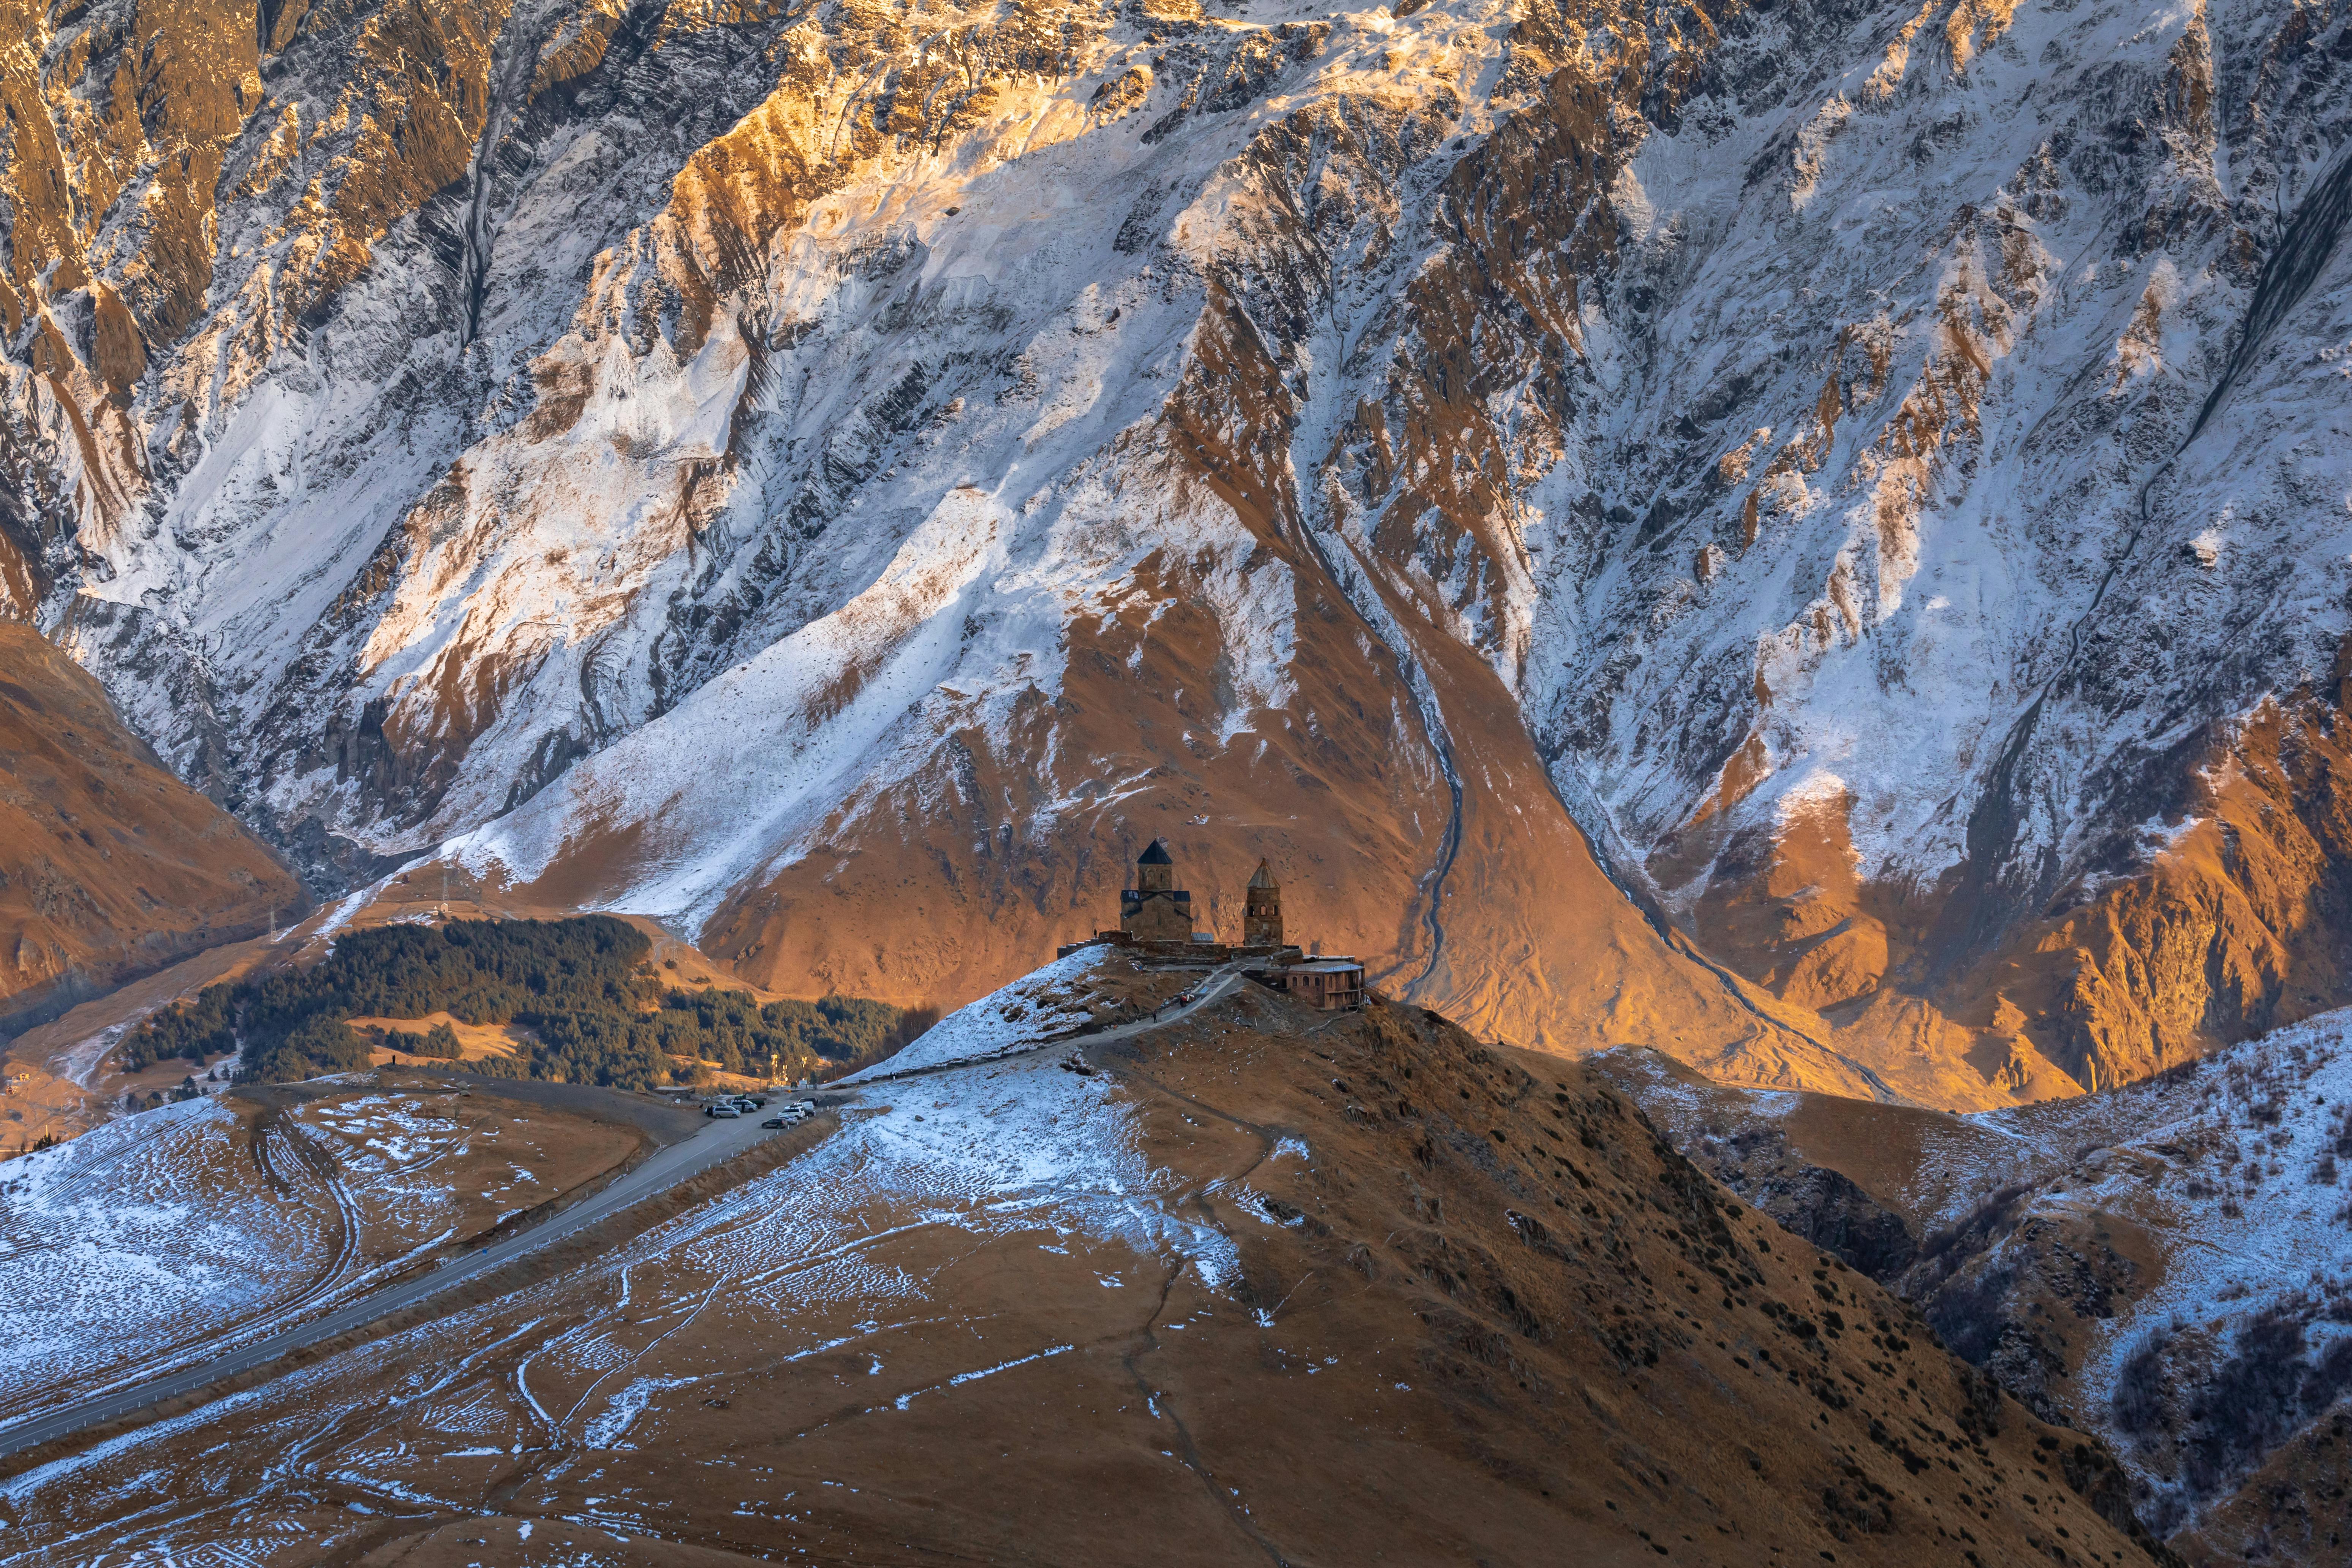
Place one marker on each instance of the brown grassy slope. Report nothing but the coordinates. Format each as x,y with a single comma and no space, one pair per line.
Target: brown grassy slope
1480,1313
1882,1185
2297,1509
110,867
1615,1347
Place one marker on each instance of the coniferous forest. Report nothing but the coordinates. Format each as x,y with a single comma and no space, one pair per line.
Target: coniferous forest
595,1010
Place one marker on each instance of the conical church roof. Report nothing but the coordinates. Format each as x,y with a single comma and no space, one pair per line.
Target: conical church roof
1264,877
1157,855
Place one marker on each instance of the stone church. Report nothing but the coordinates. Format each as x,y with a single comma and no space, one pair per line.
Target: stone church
1155,909
1155,922
1262,913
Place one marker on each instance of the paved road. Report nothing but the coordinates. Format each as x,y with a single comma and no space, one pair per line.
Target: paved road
720,1140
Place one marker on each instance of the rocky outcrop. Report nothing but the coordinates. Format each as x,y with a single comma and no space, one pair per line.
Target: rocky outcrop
1824,1206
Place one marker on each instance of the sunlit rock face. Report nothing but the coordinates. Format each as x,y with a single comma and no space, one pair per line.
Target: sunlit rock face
843,478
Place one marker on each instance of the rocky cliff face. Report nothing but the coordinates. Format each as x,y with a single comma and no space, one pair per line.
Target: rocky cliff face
842,477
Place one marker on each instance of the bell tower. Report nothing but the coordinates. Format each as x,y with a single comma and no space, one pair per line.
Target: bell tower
1262,913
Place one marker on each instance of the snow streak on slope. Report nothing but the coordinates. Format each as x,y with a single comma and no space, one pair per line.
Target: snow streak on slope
128,1237
159,1238
1020,1017
2243,1166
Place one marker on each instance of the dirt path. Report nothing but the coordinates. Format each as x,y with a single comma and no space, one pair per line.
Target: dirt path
717,1141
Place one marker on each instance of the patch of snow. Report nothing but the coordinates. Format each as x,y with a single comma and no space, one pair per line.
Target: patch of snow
1022,1015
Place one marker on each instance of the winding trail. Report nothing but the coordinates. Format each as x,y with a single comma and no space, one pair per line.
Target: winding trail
715,1144
719,1141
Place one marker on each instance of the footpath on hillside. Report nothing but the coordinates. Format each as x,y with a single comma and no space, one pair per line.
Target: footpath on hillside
689,1150
714,1143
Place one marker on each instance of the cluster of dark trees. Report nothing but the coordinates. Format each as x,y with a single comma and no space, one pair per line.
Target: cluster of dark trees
440,1041
582,988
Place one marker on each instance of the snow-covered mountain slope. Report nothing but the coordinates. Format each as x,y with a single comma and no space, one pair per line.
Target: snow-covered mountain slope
2169,1265
841,479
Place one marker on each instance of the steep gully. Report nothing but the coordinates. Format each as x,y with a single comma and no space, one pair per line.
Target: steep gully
1357,586
2287,276
1343,564
509,80
1359,591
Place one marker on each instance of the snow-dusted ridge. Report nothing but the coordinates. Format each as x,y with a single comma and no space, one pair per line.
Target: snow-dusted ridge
2168,1264
1031,1011
2242,1167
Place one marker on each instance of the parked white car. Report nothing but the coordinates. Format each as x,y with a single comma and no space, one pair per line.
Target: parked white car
723,1112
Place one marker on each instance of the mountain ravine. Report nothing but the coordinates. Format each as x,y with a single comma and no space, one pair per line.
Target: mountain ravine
1812,536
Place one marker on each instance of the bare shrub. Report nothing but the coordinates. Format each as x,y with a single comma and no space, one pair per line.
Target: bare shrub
2255,1401
2138,1401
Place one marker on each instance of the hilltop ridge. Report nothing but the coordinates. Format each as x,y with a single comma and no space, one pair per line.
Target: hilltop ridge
1288,1284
